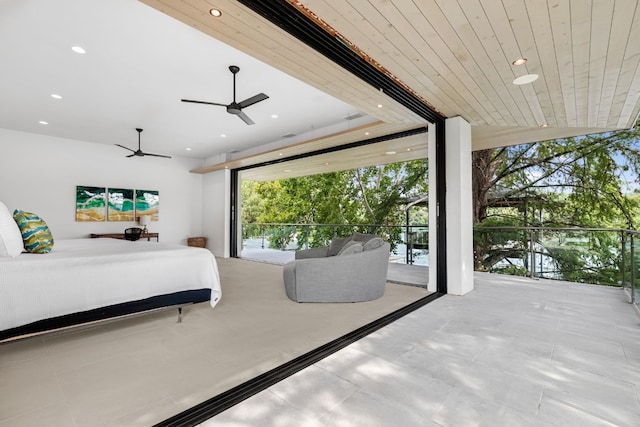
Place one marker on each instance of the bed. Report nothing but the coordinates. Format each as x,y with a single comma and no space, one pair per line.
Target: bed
84,280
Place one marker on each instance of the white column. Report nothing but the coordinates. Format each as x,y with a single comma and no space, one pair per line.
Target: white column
459,206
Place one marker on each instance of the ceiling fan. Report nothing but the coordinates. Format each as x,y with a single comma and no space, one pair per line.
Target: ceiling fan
236,107
139,152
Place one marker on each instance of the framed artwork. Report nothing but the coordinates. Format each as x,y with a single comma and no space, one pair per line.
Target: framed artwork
148,203
90,203
120,204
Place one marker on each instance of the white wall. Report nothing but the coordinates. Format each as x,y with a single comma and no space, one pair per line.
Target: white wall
39,174
216,207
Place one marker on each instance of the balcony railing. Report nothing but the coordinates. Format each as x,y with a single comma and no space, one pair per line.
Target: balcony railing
409,244
601,256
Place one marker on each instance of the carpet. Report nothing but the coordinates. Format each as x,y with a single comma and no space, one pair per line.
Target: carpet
143,370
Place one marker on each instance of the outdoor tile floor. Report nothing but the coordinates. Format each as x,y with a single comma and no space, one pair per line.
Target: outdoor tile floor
514,352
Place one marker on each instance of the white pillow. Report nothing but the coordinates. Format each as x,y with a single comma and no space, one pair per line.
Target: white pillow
11,243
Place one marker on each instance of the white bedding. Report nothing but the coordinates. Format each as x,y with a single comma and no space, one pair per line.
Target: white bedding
83,274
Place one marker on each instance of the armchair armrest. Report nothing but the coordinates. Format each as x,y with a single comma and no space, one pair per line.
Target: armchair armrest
319,252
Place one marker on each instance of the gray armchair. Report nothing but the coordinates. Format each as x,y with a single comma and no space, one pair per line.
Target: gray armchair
357,273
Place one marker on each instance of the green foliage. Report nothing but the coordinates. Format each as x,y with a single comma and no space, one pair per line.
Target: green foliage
371,197
570,182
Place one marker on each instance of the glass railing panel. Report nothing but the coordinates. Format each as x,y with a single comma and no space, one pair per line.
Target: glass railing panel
596,256
291,237
581,256
634,266
576,255
503,250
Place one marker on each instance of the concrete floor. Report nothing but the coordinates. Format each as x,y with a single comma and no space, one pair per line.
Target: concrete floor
513,352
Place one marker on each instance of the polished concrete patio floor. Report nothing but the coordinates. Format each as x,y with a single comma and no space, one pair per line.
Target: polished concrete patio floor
513,352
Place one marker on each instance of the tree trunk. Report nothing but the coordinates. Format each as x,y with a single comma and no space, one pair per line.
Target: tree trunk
484,164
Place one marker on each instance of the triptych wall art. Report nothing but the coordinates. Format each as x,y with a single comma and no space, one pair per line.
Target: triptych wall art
115,204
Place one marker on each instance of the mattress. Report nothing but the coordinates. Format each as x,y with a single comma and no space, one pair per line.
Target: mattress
85,274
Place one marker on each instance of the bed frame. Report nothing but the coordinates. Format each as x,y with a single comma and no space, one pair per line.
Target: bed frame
112,312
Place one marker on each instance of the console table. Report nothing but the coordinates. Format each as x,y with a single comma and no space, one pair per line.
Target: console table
148,236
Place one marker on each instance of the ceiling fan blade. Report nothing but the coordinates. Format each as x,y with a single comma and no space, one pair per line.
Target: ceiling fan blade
126,148
156,155
245,118
131,155
253,100
203,102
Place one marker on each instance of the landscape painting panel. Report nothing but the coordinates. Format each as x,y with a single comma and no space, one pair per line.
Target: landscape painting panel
120,204
90,203
148,203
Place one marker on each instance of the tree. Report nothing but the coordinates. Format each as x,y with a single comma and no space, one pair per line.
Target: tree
368,196
570,182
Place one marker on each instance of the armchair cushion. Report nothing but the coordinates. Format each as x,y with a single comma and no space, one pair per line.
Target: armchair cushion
376,242
337,243
351,247
319,252
361,237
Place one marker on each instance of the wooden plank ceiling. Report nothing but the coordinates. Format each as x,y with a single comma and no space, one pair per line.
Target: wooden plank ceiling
457,56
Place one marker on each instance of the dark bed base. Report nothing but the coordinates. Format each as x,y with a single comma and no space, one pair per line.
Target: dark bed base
109,312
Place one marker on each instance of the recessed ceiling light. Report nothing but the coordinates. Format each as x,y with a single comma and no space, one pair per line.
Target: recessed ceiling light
56,96
274,116
216,13
78,49
327,163
408,149
379,105
366,133
527,78
42,122
223,135
188,149
544,125
389,153
520,61
287,170
279,154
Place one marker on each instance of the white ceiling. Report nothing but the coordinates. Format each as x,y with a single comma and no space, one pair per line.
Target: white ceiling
454,54
138,64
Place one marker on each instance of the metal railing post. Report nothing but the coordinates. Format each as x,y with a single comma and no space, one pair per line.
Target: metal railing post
623,266
532,268
633,270
262,234
306,236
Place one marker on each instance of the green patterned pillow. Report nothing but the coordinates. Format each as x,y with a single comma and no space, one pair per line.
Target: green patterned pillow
35,232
